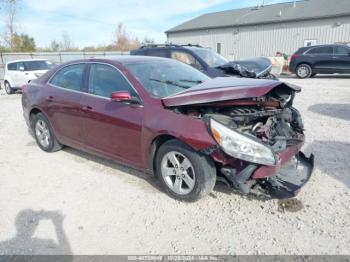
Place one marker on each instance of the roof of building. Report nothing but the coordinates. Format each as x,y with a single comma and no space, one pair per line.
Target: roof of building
275,13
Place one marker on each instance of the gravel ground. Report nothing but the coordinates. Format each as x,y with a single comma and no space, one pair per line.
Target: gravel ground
74,203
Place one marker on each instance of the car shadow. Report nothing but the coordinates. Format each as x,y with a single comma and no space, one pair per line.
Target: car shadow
332,158
225,189
147,177
341,111
151,179
26,243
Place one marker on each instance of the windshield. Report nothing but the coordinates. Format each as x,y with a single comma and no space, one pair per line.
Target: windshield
38,65
166,77
212,58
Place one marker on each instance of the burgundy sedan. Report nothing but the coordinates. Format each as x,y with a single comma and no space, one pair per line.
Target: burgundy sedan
167,118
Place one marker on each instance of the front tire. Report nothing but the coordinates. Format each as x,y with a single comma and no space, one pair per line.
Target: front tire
8,88
184,174
304,71
44,135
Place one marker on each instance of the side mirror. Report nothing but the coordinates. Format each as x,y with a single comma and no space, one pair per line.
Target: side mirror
21,68
124,97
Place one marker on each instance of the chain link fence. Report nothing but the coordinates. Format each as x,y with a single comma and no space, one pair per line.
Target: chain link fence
56,57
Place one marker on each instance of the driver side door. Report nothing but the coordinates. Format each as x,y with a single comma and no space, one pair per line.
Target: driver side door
111,128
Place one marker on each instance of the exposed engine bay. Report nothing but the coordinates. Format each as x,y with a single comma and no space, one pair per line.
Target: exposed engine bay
271,118
273,121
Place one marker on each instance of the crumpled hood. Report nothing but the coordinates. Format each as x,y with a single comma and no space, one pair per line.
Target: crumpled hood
253,68
223,89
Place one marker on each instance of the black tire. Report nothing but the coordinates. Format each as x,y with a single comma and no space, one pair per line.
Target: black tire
313,75
303,71
53,145
8,88
204,170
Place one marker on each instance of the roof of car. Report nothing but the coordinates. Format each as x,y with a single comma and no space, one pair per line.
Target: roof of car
315,46
25,60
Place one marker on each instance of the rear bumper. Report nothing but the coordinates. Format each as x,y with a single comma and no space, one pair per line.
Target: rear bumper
292,67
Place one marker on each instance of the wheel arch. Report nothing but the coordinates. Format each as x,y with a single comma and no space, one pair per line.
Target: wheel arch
34,111
157,142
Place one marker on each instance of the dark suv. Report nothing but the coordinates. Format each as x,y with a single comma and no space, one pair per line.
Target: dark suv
323,59
209,62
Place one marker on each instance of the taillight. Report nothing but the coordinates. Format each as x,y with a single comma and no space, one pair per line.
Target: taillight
295,56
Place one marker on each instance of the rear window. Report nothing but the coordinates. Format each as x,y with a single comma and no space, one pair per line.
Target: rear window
38,65
158,52
12,67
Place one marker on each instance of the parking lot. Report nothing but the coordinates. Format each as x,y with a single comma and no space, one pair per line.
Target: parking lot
70,202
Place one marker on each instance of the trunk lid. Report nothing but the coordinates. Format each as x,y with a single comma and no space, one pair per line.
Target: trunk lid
224,89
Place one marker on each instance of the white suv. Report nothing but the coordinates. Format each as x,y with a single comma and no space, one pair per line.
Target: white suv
21,72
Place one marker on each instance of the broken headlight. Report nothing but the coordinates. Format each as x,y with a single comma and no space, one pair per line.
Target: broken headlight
241,146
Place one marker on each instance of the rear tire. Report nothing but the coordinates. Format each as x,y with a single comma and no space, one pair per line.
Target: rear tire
8,88
184,174
44,135
304,71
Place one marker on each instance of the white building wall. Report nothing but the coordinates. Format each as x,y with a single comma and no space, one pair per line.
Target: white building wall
266,40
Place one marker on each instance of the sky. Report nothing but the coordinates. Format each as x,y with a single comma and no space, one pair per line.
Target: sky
92,22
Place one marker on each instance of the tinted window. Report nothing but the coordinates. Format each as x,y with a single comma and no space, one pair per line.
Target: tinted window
186,58
164,78
321,50
341,50
158,52
104,80
38,65
12,67
70,77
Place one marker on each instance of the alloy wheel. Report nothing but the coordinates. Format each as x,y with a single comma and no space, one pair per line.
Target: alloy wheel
42,132
303,71
178,173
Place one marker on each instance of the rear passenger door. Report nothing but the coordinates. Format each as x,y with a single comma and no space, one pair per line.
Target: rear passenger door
63,103
322,58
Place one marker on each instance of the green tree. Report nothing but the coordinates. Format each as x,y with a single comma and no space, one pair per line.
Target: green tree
23,43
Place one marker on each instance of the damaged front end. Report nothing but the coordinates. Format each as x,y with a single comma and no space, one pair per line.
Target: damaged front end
258,142
259,67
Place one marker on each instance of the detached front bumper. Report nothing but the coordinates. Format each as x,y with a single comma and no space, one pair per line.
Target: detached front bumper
284,180
290,178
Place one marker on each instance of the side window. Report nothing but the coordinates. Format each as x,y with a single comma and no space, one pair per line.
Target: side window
20,66
321,50
12,67
104,80
186,58
158,52
70,77
341,50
